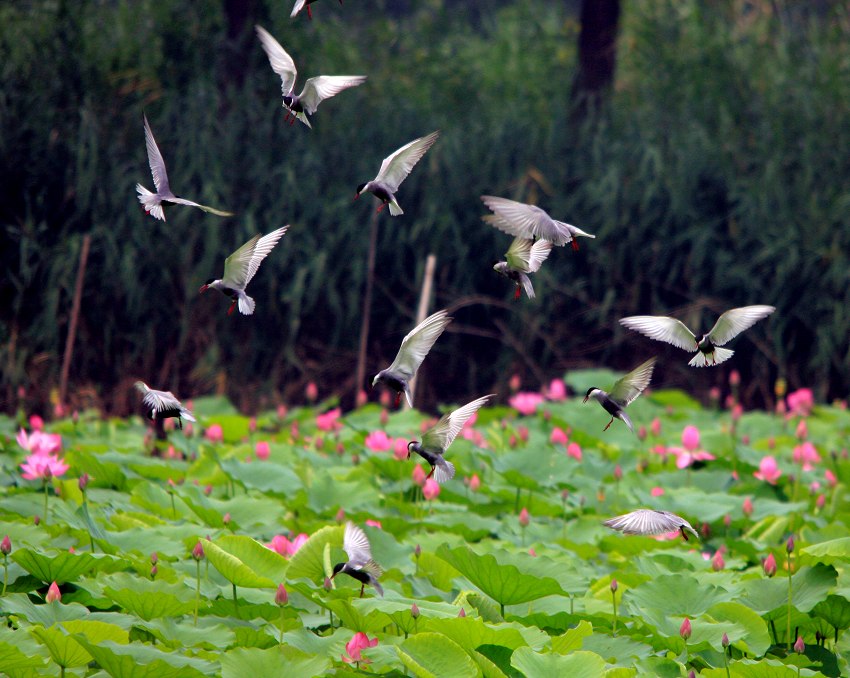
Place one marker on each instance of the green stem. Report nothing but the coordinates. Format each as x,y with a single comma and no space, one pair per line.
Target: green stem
45,502
726,663
788,627
516,501
5,572
614,601
331,613
197,589
235,601
281,625
173,510
502,609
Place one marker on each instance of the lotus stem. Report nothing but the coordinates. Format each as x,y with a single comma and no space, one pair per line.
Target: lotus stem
197,589
5,573
45,500
280,641
235,601
502,609
614,602
788,617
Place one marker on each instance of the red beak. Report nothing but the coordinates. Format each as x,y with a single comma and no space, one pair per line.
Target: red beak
356,195
585,399
203,289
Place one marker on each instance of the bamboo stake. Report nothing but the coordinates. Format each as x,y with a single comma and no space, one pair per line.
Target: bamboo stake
75,316
424,302
367,305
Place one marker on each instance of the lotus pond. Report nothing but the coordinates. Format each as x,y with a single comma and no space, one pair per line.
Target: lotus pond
168,559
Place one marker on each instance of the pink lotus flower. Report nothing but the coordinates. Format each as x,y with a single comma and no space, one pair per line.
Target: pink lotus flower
474,482
39,442
769,565
656,491
655,427
557,390
690,438
329,421
431,489
474,436
43,467
806,455
717,562
685,458
747,508
400,449
574,451
526,403
685,629
418,475
558,436
215,434
524,518
53,594
768,470
355,646
262,450
801,402
36,422
378,441
284,547
831,478
374,523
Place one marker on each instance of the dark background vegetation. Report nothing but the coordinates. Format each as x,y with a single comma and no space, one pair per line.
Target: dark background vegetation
714,172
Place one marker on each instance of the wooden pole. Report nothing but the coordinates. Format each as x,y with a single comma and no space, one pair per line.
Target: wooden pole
424,303
360,381
75,316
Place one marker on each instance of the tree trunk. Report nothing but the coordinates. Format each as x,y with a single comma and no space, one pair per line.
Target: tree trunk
597,56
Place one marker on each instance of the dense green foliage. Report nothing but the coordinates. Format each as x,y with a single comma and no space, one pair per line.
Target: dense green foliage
716,178
509,566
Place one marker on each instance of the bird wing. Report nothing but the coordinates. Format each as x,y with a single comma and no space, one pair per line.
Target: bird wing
520,219
733,322
322,87
356,545
519,254
280,61
627,389
440,436
647,521
158,400
297,7
415,346
206,208
539,253
155,160
264,246
237,265
397,166
662,328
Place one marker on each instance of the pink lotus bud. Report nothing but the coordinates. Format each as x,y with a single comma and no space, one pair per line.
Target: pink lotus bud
154,571
657,491
613,586
414,611
642,433
262,450
198,551
799,646
281,597
311,392
574,451
802,431
727,520
208,490
215,434
690,438
769,565
154,558
747,508
717,562
252,425
36,520
558,436
355,459
418,475
71,549
714,394
327,584
385,398
385,417
6,546
685,629
523,517
820,502
618,473
226,519
724,641
692,674
737,411
417,551
400,449
83,482
831,478
512,441
462,613
431,489
734,378
789,545
522,431
362,398
474,482
36,422
514,383
655,427
532,553
745,439
340,516
53,594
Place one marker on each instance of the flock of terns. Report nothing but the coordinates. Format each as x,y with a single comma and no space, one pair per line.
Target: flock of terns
535,234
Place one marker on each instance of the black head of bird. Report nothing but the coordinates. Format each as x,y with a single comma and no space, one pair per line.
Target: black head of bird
359,190
589,393
412,447
337,569
206,285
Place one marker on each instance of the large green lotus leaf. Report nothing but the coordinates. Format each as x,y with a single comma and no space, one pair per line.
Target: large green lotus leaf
149,599
138,660
433,655
265,477
64,648
19,651
61,567
621,650
751,633
579,664
673,595
764,668
212,407
323,646
328,492
210,633
109,473
489,669
246,562
835,610
20,605
661,667
834,550
809,586
285,661
167,540
308,561
158,501
472,632
505,584
572,639
676,399
581,380
381,611
464,524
